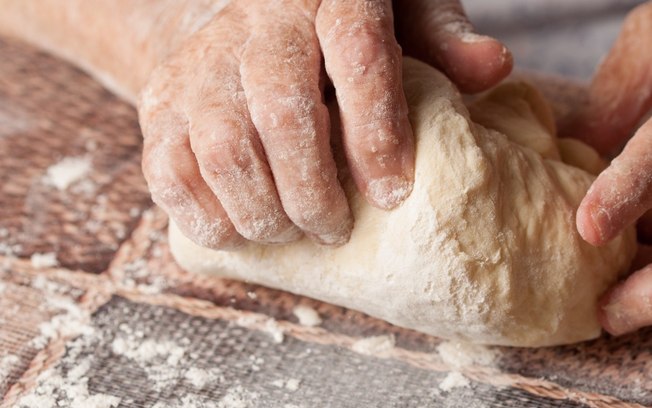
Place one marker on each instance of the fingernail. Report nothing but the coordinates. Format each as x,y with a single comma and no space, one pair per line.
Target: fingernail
472,38
599,220
292,233
336,238
388,192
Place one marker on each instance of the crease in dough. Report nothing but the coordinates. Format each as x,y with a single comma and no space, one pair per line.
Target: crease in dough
485,248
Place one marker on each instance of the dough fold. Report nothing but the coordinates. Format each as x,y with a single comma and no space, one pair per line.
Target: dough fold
485,249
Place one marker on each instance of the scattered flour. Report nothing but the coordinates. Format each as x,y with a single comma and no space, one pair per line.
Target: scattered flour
7,362
461,354
256,362
454,379
72,322
159,359
238,397
44,260
374,345
275,331
270,327
147,350
291,384
70,390
307,316
138,271
68,171
200,377
187,401
10,250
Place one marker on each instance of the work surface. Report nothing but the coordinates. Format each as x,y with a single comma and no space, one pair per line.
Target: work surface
116,323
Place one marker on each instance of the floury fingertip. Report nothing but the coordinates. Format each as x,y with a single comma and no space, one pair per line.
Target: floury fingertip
389,192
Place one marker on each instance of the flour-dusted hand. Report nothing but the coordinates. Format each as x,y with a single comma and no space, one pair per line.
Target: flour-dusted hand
237,136
620,96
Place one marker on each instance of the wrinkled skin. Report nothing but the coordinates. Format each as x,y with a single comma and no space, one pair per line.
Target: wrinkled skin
620,97
237,133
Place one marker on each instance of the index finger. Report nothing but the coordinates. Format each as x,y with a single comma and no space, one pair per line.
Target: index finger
621,193
363,60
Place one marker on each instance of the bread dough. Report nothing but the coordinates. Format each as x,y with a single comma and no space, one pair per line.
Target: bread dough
485,249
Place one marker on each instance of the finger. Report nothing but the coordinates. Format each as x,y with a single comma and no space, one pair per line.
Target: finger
621,193
438,32
231,158
175,183
363,61
621,90
628,306
281,82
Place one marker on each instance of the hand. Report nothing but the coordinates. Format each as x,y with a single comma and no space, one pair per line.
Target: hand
237,133
620,96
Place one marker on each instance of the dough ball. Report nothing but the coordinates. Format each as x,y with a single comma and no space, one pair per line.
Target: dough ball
485,249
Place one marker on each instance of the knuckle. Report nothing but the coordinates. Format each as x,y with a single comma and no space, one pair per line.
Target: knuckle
290,112
223,149
376,138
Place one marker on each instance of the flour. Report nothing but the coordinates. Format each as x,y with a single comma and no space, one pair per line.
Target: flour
55,390
200,377
374,345
147,350
44,260
137,271
71,322
256,362
7,362
159,359
307,316
275,331
454,379
291,384
462,354
8,250
68,171
238,397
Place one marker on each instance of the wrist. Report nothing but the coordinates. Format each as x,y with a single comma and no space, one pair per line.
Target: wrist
118,42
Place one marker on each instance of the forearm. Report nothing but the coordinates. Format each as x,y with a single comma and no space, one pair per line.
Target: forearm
118,41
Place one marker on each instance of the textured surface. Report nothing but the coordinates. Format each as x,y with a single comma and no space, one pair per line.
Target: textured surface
119,283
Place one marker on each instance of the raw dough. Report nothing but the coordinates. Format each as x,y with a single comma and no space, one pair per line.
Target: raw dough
485,248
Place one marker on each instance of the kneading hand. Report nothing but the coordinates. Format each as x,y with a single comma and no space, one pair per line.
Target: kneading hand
237,134
620,96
